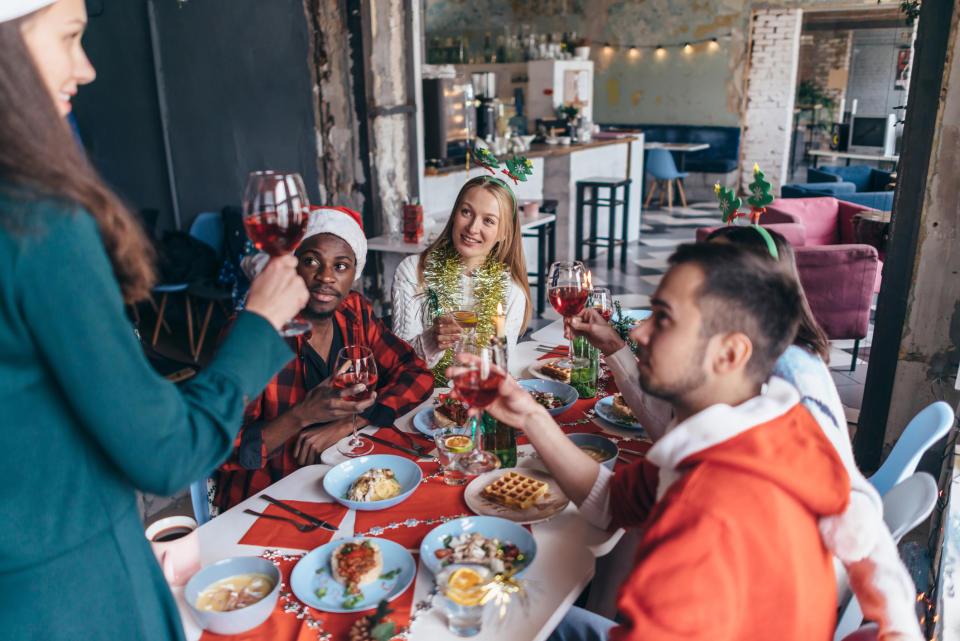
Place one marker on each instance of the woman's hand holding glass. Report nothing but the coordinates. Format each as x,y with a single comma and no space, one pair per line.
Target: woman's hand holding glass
512,404
446,332
278,293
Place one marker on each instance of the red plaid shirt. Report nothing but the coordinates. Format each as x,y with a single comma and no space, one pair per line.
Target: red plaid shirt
403,382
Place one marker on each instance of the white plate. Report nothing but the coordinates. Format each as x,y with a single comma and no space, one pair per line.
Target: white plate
554,502
534,369
604,409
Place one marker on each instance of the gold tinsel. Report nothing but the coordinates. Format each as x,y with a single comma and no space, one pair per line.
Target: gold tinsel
442,273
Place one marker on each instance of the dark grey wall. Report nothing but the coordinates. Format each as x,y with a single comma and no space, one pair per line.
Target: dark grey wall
238,91
240,96
117,114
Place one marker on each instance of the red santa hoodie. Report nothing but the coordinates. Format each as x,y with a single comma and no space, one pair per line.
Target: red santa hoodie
729,501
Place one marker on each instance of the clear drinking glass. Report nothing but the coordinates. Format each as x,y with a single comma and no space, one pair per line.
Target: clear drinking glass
568,291
275,214
454,445
356,365
601,301
477,387
462,588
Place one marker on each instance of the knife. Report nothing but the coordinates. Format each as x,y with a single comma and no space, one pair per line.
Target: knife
303,515
406,450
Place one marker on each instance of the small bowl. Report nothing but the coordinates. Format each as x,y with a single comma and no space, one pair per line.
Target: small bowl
235,621
564,392
338,480
604,444
563,140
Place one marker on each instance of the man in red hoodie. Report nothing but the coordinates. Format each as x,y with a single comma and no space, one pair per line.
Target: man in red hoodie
729,498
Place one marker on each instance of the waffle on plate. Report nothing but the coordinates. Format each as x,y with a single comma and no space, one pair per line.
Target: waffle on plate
515,491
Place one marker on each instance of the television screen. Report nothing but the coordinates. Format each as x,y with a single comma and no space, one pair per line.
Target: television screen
868,131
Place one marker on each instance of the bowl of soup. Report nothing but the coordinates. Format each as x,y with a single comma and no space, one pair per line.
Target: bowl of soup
601,449
233,595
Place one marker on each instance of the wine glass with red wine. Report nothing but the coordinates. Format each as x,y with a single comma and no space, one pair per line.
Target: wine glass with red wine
478,386
356,365
275,214
567,289
601,301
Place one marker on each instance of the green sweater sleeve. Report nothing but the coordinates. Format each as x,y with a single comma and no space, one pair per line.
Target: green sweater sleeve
161,437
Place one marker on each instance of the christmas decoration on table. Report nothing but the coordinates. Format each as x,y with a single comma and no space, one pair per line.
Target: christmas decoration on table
728,203
443,274
760,195
623,324
374,627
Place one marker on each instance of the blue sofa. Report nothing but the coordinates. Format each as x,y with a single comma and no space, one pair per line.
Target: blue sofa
722,156
882,200
863,177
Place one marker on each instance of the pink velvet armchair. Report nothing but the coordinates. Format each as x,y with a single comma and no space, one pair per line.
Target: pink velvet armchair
838,280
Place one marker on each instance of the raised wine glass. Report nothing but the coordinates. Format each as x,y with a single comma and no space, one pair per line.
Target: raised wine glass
275,214
567,289
478,386
356,365
600,300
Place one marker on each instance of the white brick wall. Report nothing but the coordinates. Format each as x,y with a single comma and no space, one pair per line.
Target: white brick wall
873,68
771,86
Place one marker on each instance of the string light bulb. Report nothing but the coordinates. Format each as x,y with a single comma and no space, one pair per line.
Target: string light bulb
687,48
607,49
661,52
634,52
714,44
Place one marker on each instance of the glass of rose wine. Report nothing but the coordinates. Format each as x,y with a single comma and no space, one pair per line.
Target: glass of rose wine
356,365
601,301
478,386
275,214
568,290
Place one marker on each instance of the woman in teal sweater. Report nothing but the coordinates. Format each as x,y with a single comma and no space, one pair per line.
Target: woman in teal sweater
85,420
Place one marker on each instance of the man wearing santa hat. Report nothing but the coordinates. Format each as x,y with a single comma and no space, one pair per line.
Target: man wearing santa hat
280,430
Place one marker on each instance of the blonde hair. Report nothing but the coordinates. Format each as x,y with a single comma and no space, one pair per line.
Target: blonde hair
508,249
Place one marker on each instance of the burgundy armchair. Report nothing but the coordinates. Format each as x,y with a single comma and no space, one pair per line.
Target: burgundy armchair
837,279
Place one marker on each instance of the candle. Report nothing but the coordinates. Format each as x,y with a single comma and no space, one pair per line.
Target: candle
589,281
500,322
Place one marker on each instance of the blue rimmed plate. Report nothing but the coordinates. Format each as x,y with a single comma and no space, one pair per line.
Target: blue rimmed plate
604,409
312,574
561,391
488,526
423,421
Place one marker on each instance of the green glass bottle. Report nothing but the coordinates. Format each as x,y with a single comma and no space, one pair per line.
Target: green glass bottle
501,439
584,379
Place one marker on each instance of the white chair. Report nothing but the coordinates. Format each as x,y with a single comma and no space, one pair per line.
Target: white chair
904,508
923,430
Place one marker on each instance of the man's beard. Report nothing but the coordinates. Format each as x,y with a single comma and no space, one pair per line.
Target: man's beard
317,316
691,378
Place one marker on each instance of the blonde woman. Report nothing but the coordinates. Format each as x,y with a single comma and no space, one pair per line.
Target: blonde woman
476,262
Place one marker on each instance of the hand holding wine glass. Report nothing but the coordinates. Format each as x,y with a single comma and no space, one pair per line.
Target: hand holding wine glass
275,214
356,366
278,293
567,289
477,372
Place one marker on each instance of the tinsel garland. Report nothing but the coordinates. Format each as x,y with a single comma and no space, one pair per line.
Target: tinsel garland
443,273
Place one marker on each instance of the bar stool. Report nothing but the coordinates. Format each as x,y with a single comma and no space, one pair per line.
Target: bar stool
611,201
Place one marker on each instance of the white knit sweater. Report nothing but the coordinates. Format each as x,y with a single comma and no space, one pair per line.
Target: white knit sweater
408,300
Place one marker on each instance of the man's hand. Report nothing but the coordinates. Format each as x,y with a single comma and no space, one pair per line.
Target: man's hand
445,332
598,332
278,292
313,441
325,403
513,405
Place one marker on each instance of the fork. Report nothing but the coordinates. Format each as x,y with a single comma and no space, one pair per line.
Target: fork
416,447
303,527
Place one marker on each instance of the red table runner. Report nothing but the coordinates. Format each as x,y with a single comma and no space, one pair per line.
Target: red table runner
272,533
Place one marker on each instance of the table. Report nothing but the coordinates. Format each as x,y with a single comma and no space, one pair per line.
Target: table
567,546
820,153
680,148
872,227
539,226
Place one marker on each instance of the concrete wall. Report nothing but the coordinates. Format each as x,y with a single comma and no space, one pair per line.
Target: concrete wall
702,87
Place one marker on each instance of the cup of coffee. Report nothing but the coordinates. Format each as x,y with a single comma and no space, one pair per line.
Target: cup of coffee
177,547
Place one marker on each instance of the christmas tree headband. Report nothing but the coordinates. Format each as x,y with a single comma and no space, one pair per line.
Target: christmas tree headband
759,198
517,168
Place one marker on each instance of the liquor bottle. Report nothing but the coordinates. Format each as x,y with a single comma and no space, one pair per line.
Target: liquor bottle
488,52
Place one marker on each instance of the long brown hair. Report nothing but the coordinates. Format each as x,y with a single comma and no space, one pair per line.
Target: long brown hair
509,247
40,161
810,336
